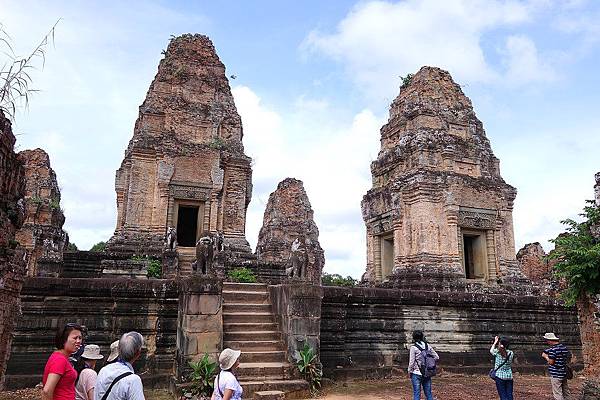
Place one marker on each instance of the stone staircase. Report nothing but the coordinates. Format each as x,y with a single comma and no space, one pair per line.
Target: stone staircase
186,256
249,325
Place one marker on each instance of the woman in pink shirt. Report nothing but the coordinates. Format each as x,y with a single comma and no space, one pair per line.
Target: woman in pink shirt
59,374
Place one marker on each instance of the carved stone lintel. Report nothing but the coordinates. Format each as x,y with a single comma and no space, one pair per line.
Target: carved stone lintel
477,218
188,192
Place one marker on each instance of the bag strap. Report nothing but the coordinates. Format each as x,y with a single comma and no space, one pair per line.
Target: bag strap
219,385
503,362
117,379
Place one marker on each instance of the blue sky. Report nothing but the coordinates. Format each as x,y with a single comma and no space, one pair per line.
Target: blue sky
314,82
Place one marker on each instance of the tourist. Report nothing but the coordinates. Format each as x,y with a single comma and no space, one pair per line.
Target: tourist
114,352
227,386
117,381
502,372
557,356
416,365
59,375
86,378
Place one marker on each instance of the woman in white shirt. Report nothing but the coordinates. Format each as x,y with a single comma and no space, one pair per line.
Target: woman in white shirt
415,363
86,380
227,386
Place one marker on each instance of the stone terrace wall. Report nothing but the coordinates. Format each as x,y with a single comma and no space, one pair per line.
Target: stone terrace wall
108,308
364,330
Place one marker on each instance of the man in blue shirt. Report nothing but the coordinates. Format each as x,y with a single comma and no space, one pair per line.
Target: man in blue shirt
557,356
117,381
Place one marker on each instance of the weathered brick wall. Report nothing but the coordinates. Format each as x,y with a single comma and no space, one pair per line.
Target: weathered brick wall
365,330
12,257
108,308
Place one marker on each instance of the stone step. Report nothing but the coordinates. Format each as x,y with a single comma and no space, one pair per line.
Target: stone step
262,356
245,287
246,307
248,326
251,297
231,318
261,369
254,345
269,395
293,388
251,336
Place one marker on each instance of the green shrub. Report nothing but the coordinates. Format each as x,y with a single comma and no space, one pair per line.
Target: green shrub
72,247
406,80
203,376
100,246
243,275
578,255
337,280
54,203
154,268
309,367
217,143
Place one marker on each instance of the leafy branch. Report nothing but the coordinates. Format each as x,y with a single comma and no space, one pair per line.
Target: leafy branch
15,78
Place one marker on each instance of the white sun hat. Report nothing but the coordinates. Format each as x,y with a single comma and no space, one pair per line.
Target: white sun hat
227,358
550,336
92,352
114,351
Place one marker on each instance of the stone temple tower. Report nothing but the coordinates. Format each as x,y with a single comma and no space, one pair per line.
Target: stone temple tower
438,208
185,166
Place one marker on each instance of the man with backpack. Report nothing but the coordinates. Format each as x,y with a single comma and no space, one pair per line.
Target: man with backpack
117,381
422,365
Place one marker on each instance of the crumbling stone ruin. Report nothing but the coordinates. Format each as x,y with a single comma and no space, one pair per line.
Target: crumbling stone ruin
438,206
185,166
12,255
533,263
41,233
289,235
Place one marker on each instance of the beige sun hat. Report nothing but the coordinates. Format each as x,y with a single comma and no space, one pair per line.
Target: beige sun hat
92,352
114,351
550,336
227,358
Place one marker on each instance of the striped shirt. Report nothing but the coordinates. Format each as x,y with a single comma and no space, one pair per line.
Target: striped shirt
505,371
561,356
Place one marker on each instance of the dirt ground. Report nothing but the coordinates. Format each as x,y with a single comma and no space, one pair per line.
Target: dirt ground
445,387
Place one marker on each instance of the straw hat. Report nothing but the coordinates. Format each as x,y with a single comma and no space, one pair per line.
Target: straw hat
92,352
227,358
114,351
550,336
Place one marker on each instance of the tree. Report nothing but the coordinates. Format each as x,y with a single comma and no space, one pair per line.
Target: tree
72,247
577,251
15,80
100,246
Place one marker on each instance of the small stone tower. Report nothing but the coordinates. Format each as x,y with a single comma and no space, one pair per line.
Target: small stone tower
438,208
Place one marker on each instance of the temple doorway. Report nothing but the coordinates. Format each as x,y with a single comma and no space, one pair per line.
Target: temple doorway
189,223
474,255
387,255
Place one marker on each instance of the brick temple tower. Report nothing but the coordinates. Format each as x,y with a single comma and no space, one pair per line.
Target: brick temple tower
438,207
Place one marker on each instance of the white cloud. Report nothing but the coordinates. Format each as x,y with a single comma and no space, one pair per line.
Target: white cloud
523,62
377,41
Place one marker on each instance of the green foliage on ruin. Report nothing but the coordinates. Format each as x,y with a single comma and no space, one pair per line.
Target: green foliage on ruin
337,280
100,246
242,275
578,254
72,247
406,80
153,265
37,200
202,376
54,203
309,366
217,143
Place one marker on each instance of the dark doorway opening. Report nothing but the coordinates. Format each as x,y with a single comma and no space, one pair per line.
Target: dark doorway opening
187,225
469,244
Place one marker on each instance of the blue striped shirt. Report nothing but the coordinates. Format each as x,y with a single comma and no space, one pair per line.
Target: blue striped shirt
561,356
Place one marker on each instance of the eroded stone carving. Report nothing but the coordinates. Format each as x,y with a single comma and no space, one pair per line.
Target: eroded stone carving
171,239
42,233
438,206
289,236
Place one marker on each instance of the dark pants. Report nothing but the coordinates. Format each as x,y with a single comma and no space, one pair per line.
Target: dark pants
417,382
505,388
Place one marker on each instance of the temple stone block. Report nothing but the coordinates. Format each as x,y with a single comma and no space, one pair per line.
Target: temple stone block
438,207
199,322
